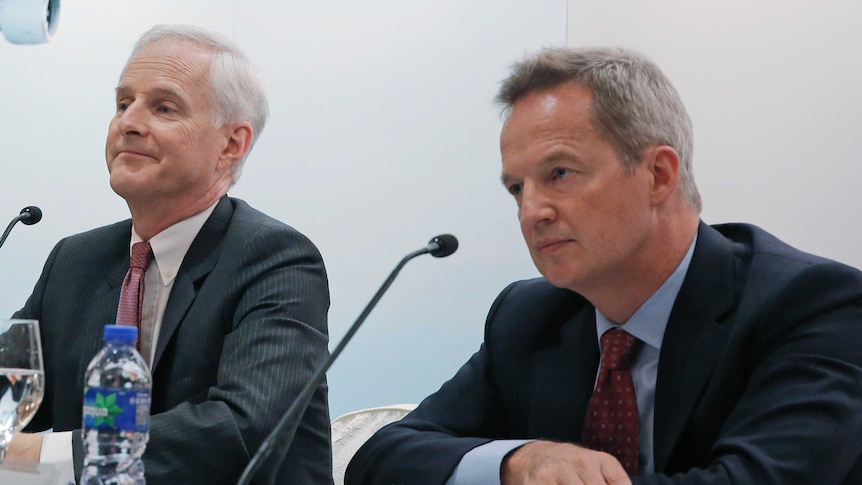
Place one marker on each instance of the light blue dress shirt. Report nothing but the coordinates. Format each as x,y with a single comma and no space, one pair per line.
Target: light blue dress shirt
481,465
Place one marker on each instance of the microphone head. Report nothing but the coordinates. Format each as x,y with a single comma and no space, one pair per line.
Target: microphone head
30,215
446,245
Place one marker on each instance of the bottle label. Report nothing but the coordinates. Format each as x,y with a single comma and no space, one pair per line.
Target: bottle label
117,409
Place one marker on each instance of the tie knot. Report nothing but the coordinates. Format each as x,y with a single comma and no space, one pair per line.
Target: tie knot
142,255
619,349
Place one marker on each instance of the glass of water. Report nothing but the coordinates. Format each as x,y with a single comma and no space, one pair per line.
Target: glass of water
22,377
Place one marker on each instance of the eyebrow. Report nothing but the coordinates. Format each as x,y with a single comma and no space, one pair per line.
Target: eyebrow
552,158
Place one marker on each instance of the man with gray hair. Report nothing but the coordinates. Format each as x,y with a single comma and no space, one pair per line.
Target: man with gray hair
232,315
656,349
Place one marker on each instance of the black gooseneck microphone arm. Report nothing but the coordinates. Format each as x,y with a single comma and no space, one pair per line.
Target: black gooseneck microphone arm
282,435
29,215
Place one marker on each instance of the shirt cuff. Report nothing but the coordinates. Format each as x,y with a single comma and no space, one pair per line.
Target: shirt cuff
57,451
481,465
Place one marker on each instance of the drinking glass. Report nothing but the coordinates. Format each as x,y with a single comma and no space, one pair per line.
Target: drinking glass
22,377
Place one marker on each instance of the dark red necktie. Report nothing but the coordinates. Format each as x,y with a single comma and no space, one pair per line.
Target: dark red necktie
132,292
611,424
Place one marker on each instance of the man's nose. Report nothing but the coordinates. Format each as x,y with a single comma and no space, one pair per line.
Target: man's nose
133,120
535,207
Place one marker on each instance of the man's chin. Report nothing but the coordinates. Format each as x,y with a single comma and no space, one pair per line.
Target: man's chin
127,185
560,277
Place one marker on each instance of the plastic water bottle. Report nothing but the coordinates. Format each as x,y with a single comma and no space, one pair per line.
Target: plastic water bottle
116,411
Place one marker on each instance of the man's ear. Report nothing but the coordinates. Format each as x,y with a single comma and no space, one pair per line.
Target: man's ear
663,163
238,142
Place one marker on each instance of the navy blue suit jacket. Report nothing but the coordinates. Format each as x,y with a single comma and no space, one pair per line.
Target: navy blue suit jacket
243,331
759,377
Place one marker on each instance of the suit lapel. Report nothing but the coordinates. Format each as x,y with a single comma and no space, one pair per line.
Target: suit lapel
83,330
198,262
102,310
561,383
107,297
694,338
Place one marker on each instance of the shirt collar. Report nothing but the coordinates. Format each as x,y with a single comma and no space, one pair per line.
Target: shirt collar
171,245
650,320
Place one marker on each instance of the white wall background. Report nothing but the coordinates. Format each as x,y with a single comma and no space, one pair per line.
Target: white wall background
774,89
383,134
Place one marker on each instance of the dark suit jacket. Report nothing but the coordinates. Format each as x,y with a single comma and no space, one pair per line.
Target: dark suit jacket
243,331
759,378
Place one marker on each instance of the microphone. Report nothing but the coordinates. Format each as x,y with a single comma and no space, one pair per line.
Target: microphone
29,215
282,435
439,247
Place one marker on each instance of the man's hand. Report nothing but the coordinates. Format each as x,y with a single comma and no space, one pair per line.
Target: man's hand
25,447
546,462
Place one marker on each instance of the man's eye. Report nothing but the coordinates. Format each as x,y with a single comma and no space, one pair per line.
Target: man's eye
561,173
165,109
514,189
122,106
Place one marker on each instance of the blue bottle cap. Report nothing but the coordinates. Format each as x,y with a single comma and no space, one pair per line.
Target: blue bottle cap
121,333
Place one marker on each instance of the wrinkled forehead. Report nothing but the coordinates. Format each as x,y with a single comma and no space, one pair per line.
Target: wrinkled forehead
180,60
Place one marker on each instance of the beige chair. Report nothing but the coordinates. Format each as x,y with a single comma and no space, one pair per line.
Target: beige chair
350,431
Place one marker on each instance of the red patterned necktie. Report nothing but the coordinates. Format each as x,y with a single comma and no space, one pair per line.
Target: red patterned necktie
611,424
132,292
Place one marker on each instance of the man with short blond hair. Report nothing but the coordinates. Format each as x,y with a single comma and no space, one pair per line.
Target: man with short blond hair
656,349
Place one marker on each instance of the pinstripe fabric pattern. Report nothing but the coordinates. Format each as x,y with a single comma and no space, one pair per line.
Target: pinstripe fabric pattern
243,331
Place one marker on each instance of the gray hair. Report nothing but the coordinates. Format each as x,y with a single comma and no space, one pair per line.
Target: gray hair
237,89
634,105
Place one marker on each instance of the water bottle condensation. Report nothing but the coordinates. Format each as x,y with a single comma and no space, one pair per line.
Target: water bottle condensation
116,421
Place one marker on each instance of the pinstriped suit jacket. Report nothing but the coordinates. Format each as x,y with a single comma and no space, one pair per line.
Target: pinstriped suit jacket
244,329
